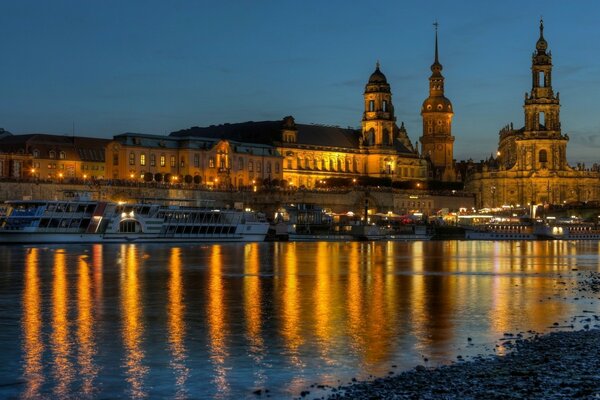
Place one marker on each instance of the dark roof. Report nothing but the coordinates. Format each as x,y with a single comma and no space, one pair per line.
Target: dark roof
329,136
264,132
269,132
83,148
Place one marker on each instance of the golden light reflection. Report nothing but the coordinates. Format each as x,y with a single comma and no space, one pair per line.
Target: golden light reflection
216,322
33,346
85,330
290,297
98,265
176,311
528,264
61,365
133,327
253,306
324,260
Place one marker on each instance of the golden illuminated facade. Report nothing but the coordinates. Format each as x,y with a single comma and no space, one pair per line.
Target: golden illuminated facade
314,153
531,163
437,141
192,160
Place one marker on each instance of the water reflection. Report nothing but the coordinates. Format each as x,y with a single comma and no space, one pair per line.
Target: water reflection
253,309
217,328
33,347
176,310
85,330
281,315
61,345
132,323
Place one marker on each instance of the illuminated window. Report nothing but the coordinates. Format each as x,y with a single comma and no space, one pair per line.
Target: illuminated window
142,159
62,155
211,162
132,158
163,160
172,162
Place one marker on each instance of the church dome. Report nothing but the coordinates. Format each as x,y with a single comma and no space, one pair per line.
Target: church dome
437,104
377,77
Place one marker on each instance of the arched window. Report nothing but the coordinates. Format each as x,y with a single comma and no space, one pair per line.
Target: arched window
62,155
543,156
142,159
52,154
385,109
371,105
36,153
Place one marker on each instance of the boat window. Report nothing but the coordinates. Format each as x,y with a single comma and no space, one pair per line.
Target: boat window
129,226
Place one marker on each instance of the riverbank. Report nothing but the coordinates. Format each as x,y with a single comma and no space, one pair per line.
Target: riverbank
557,365
564,364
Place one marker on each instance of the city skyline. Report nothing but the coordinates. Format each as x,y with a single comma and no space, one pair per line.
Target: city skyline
158,69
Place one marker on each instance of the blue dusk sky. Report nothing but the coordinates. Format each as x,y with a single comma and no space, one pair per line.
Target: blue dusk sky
109,67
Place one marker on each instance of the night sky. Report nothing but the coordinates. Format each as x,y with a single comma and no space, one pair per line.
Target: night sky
109,67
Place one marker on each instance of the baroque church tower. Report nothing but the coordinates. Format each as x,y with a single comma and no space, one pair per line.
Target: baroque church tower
437,141
378,119
542,145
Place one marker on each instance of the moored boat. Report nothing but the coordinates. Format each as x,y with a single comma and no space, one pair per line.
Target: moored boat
87,221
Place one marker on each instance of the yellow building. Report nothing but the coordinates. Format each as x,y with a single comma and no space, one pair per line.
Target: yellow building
213,162
437,141
54,157
531,163
316,153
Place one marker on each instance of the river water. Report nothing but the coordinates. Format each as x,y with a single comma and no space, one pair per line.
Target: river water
221,321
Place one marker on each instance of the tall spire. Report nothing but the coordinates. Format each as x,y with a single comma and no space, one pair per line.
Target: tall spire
541,27
436,67
436,42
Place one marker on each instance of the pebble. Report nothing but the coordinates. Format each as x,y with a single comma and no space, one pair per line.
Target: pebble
556,365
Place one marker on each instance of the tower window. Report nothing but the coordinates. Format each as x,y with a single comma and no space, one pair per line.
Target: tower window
543,156
542,119
542,79
385,106
371,105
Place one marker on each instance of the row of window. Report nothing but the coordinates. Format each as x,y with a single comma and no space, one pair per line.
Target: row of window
51,154
331,165
223,162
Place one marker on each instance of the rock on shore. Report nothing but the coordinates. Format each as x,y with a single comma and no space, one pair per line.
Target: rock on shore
558,365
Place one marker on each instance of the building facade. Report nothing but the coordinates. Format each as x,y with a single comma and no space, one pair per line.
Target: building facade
52,157
211,162
530,166
315,153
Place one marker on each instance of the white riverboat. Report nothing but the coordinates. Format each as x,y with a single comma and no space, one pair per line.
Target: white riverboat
568,229
86,221
502,229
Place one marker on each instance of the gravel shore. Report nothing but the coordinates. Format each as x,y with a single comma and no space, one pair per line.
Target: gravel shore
560,365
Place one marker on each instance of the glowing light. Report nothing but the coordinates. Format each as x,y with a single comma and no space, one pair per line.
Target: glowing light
33,345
